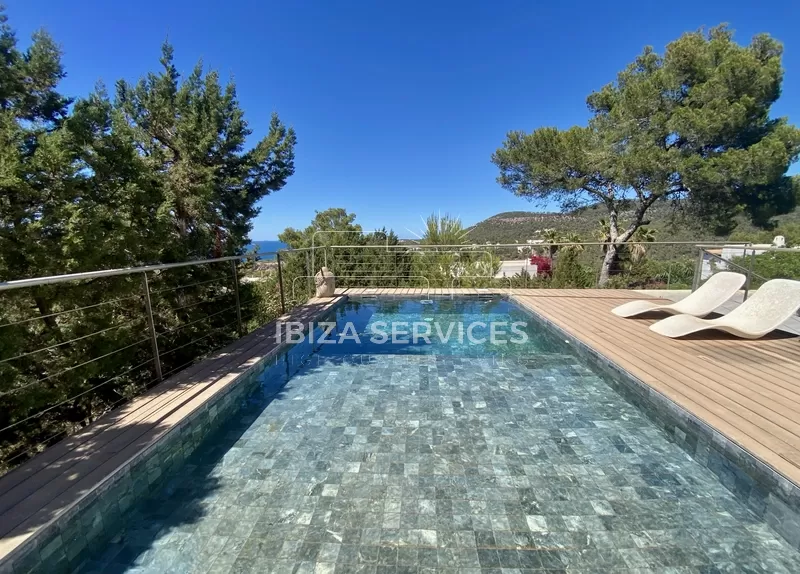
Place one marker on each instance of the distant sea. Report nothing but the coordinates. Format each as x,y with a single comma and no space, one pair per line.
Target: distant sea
267,246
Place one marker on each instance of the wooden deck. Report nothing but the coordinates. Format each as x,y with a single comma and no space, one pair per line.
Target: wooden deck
747,390
37,493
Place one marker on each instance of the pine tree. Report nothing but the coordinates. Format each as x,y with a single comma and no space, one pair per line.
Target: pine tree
161,173
691,125
193,135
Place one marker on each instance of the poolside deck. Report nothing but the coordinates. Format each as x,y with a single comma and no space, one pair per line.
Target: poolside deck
747,390
40,491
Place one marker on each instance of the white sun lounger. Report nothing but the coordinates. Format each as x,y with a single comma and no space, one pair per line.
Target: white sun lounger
773,304
719,288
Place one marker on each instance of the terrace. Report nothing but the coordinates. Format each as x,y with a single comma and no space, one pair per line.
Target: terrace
390,437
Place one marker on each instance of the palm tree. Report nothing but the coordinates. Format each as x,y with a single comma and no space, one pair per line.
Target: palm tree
633,251
575,246
551,236
441,266
604,234
638,250
443,230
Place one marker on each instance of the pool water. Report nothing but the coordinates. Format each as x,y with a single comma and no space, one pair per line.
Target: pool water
451,457
450,331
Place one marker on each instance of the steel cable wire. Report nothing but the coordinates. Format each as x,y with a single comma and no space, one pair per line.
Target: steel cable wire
107,381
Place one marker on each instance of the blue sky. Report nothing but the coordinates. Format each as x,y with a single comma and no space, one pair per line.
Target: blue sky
397,105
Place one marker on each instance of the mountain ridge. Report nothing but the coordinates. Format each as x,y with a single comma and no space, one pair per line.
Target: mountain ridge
665,220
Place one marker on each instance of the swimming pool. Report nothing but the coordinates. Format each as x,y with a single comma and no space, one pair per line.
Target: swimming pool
360,456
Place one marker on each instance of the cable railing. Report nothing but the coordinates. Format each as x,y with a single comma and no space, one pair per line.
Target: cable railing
709,262
646,265
74,347
443,262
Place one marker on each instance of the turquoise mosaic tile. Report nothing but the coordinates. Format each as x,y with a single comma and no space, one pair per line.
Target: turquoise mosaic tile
414,462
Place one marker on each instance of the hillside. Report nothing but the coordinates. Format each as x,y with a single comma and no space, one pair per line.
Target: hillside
520,226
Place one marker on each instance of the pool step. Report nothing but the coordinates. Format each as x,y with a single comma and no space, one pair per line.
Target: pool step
386,353
545,360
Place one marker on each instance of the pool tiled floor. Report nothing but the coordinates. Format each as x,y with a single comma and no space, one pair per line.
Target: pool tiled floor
424,463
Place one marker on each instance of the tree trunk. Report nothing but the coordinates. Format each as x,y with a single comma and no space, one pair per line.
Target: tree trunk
609,262
616,242
46,312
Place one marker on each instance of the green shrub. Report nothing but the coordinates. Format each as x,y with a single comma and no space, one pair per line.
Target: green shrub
656,273
568,273
772,265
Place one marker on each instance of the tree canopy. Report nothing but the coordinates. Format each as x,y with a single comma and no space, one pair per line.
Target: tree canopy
691,125
160,172
355,257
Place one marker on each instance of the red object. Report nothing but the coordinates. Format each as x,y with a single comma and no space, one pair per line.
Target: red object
544,265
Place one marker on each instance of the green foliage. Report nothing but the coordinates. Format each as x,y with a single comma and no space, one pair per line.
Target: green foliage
654,274
568,273
443,230
357,259
263,302
772,265
378,259
298,268
193,134
160,173
790,230
334,226
690,125
441,266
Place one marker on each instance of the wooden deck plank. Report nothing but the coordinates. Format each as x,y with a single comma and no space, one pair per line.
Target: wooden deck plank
745,391
722,392
729,372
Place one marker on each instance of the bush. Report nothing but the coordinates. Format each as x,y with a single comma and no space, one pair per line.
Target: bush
618,282
653,273
544,265
570,274
772,265
525,280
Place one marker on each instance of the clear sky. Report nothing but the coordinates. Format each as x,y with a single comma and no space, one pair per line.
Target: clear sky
397,105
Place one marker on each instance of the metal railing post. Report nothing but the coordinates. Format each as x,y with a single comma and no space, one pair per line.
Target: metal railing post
236,294
280,282
749,275
152,326
309,287
698,270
